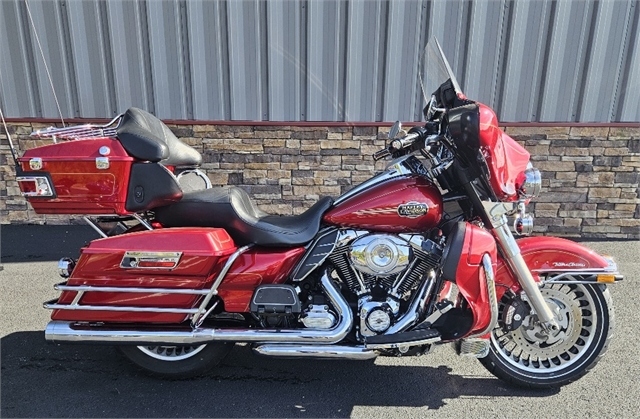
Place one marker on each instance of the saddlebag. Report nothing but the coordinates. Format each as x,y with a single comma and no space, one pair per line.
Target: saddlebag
156,276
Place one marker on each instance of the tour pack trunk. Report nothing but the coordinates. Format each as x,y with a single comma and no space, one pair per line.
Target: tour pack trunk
93,176
76,177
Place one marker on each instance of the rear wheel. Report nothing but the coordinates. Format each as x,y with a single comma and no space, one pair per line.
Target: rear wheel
177,361
528,357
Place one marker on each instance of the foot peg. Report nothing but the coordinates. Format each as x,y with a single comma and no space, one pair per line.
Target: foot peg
411,338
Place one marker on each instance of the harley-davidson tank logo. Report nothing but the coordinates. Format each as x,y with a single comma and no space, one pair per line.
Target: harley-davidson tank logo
412,209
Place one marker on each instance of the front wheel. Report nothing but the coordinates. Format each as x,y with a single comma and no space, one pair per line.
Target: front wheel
528,357
177,361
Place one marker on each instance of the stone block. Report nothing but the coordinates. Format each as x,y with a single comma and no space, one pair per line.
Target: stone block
527,131
616,151
562,166
625,132
589,132
599,193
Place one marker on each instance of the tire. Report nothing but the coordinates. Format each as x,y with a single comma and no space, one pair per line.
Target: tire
586,318
177,361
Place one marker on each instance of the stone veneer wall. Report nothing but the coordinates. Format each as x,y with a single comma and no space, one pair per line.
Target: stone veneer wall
590,175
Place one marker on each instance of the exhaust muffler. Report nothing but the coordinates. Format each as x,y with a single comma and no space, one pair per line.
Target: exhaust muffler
73,332
355,353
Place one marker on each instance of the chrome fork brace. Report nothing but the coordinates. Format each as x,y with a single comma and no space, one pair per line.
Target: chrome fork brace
497,213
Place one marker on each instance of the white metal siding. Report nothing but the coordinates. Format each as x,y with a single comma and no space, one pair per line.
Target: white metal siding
318,60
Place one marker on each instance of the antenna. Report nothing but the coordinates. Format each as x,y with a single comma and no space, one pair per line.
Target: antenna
6,130
46,67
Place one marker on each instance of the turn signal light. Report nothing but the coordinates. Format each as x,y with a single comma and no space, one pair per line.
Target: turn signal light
523,225
529,183
65,267
606,278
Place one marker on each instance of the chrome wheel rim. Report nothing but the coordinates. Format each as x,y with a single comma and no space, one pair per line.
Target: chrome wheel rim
533,352
171,353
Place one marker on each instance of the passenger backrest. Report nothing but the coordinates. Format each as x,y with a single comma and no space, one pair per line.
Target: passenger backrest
147,138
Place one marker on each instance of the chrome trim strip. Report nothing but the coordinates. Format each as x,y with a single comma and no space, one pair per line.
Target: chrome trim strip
135,257
143,221
94,225
578,271
311,253
399,344
580,282
80,131
354,353
557,279
72,332
54,306
197,318
76,299
394,170
490,283
90,288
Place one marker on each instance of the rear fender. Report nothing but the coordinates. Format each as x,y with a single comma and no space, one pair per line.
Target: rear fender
551,255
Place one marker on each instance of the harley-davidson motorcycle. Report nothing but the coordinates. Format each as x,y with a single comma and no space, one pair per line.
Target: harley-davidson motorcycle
420,255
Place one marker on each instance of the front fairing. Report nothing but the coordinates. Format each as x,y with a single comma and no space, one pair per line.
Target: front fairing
473,126
505,158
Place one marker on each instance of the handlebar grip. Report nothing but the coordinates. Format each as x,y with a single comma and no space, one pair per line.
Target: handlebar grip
381,154
404,142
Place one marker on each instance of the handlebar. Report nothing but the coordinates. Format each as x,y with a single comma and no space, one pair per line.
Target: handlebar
415,134
404,142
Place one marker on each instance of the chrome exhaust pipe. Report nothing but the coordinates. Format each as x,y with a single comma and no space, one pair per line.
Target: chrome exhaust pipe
356,353
416,309
73,332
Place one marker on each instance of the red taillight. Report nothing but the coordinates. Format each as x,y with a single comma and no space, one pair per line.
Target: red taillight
35,186
156,264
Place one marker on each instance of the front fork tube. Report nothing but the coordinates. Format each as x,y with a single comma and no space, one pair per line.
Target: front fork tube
523,274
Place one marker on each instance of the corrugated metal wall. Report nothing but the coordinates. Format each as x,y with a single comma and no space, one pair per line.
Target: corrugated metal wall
318,60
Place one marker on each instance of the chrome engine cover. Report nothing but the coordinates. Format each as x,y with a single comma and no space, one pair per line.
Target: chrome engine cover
380,254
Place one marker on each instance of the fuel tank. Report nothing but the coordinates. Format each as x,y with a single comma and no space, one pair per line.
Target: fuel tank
402,204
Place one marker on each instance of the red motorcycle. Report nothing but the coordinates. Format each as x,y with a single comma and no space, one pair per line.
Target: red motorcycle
419,255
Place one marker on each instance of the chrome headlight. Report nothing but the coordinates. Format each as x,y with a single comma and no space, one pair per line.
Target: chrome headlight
532,184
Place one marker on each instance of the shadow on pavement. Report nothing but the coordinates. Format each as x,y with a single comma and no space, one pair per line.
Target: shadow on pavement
45,380
31,243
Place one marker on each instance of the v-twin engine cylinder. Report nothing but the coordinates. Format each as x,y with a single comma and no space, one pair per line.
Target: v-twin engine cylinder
382,270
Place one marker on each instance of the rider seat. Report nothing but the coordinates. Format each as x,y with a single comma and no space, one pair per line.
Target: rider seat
231,208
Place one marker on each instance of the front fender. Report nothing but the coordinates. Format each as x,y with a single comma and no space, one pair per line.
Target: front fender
550,254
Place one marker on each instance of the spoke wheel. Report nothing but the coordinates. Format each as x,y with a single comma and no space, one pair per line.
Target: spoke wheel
177,361
171,353
530,357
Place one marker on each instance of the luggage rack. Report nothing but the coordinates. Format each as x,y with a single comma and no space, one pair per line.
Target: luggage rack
80,132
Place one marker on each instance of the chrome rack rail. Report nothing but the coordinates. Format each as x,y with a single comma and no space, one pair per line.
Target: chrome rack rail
198,314
80,132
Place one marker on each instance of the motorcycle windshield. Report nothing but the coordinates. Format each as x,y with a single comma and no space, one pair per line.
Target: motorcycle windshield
434,69
506,160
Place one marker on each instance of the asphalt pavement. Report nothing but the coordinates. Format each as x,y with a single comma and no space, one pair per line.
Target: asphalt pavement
38,379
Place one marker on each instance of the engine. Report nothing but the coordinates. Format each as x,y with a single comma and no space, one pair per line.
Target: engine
383,271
